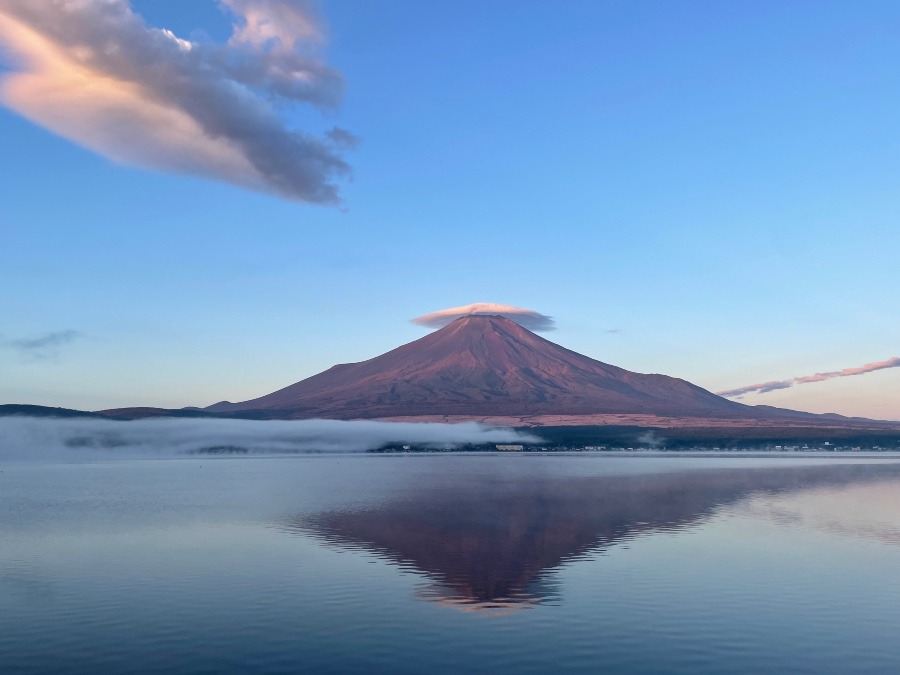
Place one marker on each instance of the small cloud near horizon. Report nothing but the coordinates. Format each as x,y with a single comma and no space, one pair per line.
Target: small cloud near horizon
44,346
527,318
774,385
97,74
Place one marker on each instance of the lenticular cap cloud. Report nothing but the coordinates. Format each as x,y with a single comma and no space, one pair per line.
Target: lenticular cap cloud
527,318
97,74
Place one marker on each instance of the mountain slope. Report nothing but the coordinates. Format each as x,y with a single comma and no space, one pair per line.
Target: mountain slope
486,365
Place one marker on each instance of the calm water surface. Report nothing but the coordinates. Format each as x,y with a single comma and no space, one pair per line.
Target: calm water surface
445,563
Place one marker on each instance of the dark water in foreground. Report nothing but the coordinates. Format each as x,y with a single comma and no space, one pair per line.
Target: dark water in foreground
447,563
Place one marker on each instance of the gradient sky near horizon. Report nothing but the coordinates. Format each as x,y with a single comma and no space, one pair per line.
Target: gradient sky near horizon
705,189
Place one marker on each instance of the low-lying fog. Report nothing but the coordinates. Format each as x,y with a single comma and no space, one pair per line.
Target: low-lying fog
30,438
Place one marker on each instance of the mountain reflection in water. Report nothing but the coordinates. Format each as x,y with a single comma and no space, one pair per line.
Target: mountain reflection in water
487,542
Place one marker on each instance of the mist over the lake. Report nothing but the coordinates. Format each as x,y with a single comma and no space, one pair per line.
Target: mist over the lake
34,438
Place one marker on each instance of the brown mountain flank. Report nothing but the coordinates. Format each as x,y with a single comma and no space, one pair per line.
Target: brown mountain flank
491,368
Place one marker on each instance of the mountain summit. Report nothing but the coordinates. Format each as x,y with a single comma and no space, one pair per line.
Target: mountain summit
480,366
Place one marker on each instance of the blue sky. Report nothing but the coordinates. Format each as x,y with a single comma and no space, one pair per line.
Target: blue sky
716,182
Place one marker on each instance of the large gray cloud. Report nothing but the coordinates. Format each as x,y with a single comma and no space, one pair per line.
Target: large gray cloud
527,318
95,72
774,385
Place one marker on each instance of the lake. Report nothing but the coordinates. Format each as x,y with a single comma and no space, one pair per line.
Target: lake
430,563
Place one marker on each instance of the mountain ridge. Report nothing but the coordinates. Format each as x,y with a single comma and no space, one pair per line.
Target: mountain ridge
486,365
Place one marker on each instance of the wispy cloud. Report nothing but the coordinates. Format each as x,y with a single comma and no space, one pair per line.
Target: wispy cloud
96,73
43,346
528,318
773,385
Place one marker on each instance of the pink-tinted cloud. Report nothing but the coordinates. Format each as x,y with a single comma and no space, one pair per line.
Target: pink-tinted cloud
279,24
527,318
847,372
96,73
764,387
